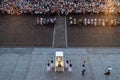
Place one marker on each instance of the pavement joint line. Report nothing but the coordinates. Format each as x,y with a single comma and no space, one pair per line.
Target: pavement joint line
15,67
101,62
53,42
90,64
28,66
106,77
40,73
66,40
91,67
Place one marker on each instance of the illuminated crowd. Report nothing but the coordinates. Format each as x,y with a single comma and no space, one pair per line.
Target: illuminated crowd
93,21
59,7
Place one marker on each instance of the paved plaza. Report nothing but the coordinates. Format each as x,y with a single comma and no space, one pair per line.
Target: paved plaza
93,36
31,63
59,39
21,31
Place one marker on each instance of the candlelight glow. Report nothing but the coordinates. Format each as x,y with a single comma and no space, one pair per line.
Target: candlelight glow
110,5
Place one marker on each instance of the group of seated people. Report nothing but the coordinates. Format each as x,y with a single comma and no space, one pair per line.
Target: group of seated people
51,66
93,22
59,7
45,21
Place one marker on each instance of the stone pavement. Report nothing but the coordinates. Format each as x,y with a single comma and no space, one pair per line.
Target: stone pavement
21,31
59,33
30,63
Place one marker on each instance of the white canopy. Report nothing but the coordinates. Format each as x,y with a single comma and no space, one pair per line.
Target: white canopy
59,53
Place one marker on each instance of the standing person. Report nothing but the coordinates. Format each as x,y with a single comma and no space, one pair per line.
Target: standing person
70,68
52,64
48,67
83,70
37,21
85,22
67,64
41,21
108,71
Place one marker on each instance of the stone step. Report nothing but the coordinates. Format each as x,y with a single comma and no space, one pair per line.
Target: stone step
59,37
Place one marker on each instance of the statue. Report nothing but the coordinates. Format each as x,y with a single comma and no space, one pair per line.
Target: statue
59,62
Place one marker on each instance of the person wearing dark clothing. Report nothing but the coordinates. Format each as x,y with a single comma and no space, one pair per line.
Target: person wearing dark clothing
83,69
108,71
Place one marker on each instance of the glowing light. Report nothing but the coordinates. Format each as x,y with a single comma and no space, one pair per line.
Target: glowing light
110,6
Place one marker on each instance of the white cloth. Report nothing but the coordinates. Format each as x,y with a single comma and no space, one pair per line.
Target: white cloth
103,23
70,69
48,68
52,65
110,68
67,65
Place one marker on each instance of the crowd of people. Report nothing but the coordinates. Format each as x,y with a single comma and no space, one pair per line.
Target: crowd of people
93,22
59,7
45,21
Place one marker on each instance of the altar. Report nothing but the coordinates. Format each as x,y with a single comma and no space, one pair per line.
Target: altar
59,61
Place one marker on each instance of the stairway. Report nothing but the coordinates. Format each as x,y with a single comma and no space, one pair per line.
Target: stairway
60,33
